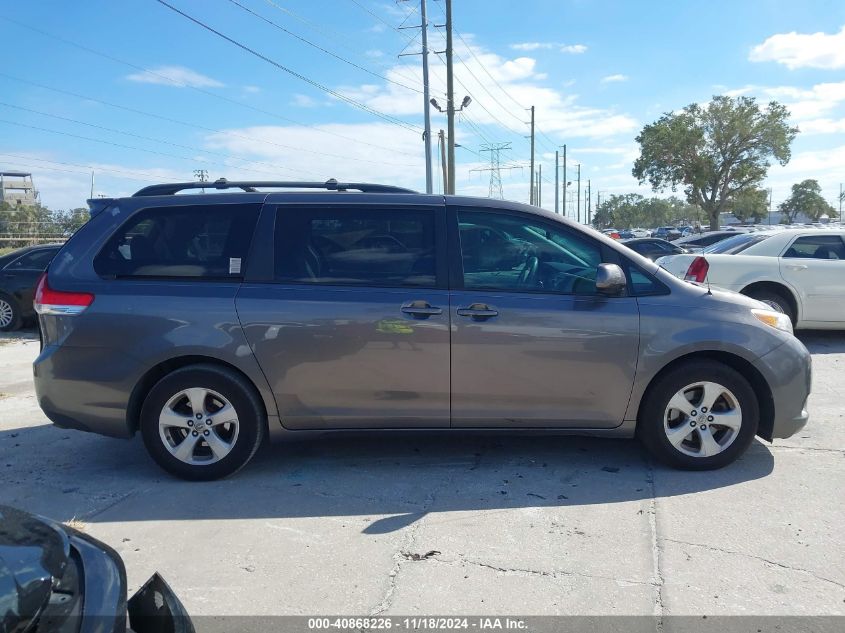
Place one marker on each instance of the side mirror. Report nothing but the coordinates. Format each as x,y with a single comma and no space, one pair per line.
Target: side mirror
610,280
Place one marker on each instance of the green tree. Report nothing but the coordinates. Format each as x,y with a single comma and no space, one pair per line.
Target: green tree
806,198
750,205
714,151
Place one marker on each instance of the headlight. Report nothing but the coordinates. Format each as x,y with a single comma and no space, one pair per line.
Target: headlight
775,319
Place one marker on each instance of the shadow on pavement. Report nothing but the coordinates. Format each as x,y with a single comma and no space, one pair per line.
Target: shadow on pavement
823,341
391,480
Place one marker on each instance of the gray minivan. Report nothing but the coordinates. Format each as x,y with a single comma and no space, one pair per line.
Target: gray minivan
210,321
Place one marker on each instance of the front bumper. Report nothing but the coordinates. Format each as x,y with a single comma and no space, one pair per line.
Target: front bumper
788,370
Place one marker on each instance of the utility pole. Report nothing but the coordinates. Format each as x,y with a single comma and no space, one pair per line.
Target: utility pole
442,141
564,179
429,184
532,155
92,184
557,184
540,187
579,193
429,179
450,97
841,199
589,209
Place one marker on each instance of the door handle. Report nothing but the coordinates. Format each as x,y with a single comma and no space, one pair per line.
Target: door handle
478,311
797,266
420,309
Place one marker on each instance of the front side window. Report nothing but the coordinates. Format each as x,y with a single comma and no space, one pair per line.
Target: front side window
505,252
817,247
356,246
36,260
198,241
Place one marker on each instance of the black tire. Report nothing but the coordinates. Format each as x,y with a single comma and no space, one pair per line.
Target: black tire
228,384
776,301
650,425
16,319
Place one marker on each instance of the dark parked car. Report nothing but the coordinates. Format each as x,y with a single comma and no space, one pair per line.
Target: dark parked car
56,579
668,233
695,243
652,247
19,272
210,321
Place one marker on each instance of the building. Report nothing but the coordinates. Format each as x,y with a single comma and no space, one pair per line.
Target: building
17,188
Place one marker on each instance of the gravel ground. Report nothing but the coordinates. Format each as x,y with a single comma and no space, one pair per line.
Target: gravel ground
444,524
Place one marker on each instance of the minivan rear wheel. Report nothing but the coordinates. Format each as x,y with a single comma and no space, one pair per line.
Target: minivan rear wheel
699,415
202,422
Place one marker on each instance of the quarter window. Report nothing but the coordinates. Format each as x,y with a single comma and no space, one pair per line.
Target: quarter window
204,241
817,247
505,252
360,247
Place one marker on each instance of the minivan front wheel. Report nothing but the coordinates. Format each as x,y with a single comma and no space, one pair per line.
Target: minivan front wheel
699,416
202,422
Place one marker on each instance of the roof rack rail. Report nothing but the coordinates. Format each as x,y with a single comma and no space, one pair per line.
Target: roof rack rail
252,186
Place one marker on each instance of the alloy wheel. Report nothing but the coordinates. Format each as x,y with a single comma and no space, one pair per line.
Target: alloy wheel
6,313
198,426
702,419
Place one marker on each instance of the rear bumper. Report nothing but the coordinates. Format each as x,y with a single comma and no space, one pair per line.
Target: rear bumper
84,388
788,370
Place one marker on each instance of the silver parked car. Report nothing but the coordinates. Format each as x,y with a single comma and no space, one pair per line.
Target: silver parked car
209,322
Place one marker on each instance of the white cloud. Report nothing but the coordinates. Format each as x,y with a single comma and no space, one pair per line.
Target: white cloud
802,50
252,89
804,104
575,49
303,101
614,78
175,76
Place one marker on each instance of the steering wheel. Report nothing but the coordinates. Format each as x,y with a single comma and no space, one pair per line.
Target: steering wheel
528,275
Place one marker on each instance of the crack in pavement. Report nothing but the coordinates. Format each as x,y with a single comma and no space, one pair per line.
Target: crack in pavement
399,556
755,557
657,571
553,573
790,447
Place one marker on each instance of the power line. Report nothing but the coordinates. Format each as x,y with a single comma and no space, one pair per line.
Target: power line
149,177
293,73
196,125
208,93
320,48
139,149
142,137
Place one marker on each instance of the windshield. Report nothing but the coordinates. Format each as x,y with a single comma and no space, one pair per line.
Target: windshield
735,244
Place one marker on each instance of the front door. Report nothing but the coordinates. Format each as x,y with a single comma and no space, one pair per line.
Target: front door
353,331
533,344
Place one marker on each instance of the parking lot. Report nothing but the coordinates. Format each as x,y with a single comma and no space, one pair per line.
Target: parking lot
425,524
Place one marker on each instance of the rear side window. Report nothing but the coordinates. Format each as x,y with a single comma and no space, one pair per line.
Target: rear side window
36,260
356,246
194,241
817,247
736,244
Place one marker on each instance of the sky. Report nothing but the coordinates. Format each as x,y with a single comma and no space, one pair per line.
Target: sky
318,89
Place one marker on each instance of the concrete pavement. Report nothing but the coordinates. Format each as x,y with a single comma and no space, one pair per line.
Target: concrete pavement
444,524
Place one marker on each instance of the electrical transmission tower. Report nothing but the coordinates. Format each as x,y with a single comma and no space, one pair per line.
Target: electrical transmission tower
496,167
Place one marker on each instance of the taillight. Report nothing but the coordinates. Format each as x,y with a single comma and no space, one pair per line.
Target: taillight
49,301
697,270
